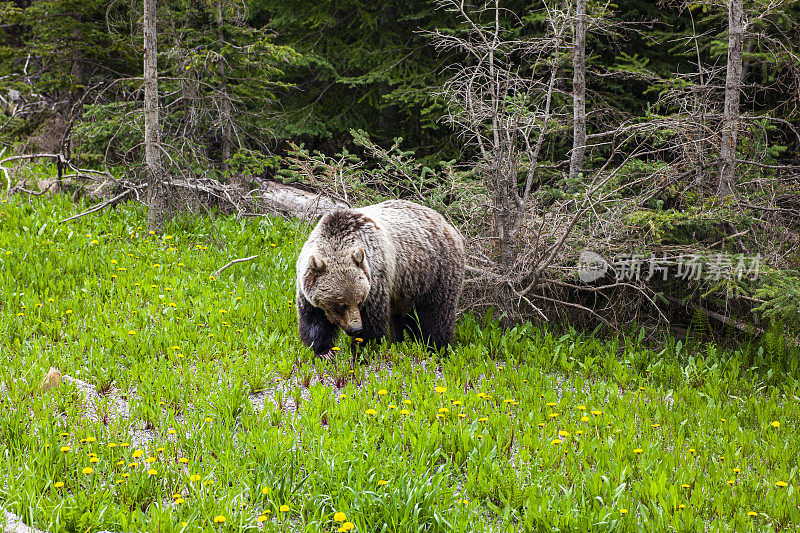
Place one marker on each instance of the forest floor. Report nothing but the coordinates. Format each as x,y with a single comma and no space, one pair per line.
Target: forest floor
186,402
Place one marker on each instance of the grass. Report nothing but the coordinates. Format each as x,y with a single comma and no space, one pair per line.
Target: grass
196,408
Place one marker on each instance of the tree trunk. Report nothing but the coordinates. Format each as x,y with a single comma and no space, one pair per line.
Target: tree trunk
733,82
157,190
225,103
578,92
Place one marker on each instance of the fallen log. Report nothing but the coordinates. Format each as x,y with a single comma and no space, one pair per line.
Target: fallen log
292,201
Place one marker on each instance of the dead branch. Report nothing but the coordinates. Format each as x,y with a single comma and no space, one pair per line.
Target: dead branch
747,328
240,260
99,207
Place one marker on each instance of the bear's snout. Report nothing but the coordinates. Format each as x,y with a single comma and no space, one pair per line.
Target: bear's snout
354,331
352,323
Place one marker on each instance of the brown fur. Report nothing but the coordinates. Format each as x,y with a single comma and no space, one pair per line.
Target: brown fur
392,267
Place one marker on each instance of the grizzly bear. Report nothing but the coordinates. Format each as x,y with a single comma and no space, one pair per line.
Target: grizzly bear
393,267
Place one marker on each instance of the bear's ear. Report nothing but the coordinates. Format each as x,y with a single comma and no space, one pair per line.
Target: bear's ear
316,264
358,256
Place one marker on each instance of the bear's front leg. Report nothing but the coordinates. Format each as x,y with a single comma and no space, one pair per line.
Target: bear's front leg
316,331
375,315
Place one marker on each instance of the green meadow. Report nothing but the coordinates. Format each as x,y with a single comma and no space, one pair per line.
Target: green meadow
187,403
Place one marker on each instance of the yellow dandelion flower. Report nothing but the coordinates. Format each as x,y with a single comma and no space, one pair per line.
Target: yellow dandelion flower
94,460
584,419
553,415
58,484
183,460
219,519
776,424
383,482
752,513
692,450
681,507
347,526
335,348
623,511
440,389
284,508
444,410
152,472
637,451
65,449
563,433
685,486
340,517
737,470
542,424
406,402
597,413
383,392
87,470
179,501
150,460
555,442
371,412
781,484
262,518
195,477
405,412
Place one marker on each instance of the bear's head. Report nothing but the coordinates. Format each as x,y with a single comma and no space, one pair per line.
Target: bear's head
339,287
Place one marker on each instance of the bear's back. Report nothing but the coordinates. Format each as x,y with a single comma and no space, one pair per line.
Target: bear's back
419,245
